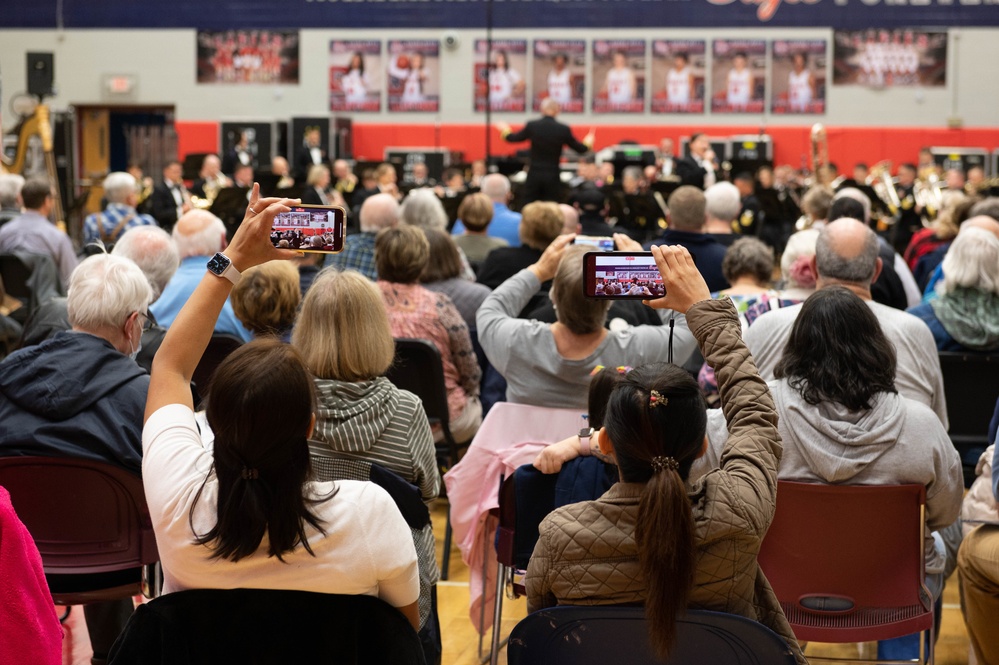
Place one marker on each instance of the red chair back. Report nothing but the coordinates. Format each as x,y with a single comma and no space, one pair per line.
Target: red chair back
846,561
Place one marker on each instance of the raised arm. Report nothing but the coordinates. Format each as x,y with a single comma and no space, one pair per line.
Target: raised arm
185,342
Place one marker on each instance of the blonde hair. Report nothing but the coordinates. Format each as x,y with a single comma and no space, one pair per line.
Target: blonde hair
343,331
541,222
475,212
266,297
581,315
315,173
401,254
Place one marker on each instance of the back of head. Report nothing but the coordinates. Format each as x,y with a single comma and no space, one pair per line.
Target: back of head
422,208
602,383
266,298
656,420
103,291
581,315
198,233
10,189
497,187
153,250
400,254
260,404
686,209
316,173
570,218
847,251
837,211
796,261
476,211
589,198
118,186
336,306
540,223
972,262
34,193
989,207
380,211
749,257
444,261
722,202
837,351
817,201
549,107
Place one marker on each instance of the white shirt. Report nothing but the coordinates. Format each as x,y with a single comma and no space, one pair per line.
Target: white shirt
412,92
367,550
355,86
799,90
739,93
619,86
678,86
560,86
501,84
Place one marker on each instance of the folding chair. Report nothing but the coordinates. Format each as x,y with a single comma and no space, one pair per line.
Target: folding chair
90,523
419,369
597,635
31,278
846,562
971,386
218,349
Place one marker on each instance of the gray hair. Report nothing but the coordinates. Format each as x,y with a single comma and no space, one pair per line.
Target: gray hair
103,291
423,209
972,262
496,186
632,172
749,256
153,250
118,186
205,242
722,201
988,207
859,197
831,262
799,244
378,212
10,189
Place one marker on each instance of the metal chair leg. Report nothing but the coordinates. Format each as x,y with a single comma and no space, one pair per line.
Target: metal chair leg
497,614
446,563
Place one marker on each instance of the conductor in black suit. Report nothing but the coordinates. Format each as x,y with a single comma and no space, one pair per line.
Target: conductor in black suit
698,168
547,136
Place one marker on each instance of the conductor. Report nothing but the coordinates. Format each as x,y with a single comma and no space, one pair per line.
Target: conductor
547,136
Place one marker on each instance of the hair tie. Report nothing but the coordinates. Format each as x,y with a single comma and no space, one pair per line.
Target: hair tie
623,369
661,463
250,474
656,399
597,370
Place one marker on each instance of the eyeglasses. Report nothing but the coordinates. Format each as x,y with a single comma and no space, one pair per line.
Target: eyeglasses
148,320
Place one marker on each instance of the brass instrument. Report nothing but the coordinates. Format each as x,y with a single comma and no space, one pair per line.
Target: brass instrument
212,187
819,153
884,186
928,195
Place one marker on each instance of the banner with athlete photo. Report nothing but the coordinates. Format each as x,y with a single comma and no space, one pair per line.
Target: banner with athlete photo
679,75
738,75
414,75
500,75
618,76
560,73
247,56
886,58
798,76
356,75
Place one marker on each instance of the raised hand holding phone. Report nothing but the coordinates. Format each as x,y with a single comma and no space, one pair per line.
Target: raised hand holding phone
683,282
546,266
251,243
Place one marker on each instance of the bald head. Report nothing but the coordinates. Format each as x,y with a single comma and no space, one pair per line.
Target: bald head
981,222
570,218
549,107
199,233
846,252
378,212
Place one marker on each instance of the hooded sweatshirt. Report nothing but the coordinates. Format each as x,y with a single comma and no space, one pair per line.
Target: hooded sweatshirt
73,395
898,441
377,422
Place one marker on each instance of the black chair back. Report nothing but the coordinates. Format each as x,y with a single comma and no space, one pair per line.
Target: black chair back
15,275
419,369
971,386
218,349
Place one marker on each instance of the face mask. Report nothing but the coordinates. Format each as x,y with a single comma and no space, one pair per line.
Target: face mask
138,348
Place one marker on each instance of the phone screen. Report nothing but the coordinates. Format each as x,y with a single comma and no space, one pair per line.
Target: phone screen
310,228
621,276
603,243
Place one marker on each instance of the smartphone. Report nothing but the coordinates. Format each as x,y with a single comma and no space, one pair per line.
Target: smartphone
603,243
310,228
621,276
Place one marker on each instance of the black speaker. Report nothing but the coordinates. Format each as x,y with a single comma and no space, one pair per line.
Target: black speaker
41,72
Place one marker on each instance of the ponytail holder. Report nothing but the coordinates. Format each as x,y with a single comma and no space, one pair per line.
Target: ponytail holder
623,369
250,474
661,463
656,399
597,370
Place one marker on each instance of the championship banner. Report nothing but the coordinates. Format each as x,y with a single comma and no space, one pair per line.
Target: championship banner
560,73
798,76
501,79
618,76
679,73
886,58
414,75
356,75
247,56
738,75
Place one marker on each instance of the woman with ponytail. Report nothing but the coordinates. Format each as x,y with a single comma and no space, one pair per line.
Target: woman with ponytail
245,513
652,538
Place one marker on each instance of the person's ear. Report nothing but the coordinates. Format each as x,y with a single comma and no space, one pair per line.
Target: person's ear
604,442
878,266
312,426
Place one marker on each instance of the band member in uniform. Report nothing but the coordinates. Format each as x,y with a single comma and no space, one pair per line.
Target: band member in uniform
560,80
740,82
680,81
699,168
750,220
800,85
909,216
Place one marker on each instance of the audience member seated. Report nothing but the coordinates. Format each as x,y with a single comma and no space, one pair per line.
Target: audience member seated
686,228
815,206
647,540
591,203
443,274
266,299
80,393
722,203
245,513
476,211
506,223
10,196
797,276
929,262
317,184
378,212
360,413
32,232
983,215
965,314
549,364
122,194
846,254
540,225
198,235
842,420
941,231
414,311
422,208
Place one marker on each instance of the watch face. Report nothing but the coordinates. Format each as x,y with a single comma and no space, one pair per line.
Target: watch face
586,432
218,263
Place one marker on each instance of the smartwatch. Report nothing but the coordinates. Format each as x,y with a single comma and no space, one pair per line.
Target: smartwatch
584,441
221,265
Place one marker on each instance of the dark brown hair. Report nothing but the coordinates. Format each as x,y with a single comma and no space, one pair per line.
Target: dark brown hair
34,192
260,405
444,261
641,431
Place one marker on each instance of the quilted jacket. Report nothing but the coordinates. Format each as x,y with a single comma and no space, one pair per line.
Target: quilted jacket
586,553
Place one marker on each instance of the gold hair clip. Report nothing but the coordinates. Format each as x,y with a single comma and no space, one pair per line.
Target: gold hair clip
661,463
656,399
